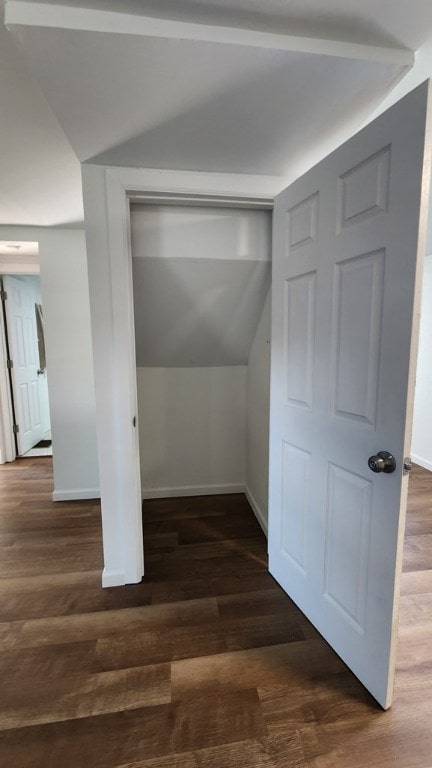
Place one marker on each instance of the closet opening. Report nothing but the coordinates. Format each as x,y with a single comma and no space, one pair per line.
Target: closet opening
201,290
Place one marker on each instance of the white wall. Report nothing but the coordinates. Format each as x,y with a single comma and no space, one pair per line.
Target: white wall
65,299
257,416
207,232
192,429
421,447
64,283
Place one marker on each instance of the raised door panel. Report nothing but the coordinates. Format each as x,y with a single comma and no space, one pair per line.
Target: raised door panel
347,533
299,339
356,334
295,504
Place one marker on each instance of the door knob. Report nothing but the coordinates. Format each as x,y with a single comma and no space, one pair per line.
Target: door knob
382,462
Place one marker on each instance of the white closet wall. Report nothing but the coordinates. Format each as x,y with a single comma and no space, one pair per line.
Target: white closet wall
192,429
422,425
257,416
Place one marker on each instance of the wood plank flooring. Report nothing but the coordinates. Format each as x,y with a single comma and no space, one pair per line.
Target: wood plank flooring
207,663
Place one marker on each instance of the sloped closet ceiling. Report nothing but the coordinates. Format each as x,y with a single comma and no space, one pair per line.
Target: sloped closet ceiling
200,276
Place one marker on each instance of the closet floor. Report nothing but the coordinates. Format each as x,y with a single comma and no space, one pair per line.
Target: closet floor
206,663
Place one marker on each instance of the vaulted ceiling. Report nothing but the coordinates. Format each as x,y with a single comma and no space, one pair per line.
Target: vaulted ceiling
227,85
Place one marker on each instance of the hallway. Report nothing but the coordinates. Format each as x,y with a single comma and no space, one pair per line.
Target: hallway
206,663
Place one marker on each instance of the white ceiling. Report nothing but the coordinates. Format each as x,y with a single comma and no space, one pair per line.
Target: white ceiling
40,181
148,101
125,100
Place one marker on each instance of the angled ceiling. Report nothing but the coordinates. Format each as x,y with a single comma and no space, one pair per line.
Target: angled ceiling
126,91
200,278
40,174
183,97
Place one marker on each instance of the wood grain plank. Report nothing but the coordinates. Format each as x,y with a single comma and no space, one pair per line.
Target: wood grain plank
40,699
290,664
207,638
417,582
61,594
108,741
183,760
92,626
252,754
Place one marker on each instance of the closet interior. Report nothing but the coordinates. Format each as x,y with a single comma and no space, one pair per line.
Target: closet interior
201,279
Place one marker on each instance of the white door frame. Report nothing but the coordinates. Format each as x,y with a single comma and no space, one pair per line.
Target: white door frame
107,192
7,442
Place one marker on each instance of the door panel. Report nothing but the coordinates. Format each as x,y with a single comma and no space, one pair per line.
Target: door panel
348,241
348,519
299,327
295,481
356,333
23,348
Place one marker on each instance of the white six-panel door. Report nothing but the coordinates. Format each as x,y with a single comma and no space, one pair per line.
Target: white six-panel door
345,289
23,349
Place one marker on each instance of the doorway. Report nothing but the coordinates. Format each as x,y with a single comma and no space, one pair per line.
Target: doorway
27,430
201,280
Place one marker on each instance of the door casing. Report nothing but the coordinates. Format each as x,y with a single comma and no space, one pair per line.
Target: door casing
107,192
8,450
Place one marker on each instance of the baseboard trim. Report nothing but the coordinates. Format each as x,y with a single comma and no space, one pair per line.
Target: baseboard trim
191,490
257,509
113,578
76,495
422,462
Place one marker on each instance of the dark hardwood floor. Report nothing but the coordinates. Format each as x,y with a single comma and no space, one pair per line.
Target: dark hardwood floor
206,664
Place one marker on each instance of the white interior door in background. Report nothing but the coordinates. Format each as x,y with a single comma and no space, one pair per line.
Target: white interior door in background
23,350
348,241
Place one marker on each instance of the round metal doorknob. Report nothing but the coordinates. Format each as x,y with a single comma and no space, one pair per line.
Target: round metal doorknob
382,462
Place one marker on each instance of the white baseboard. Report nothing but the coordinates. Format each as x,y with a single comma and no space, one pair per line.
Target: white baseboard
192,490
257,509
113,578
76,495
422,462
